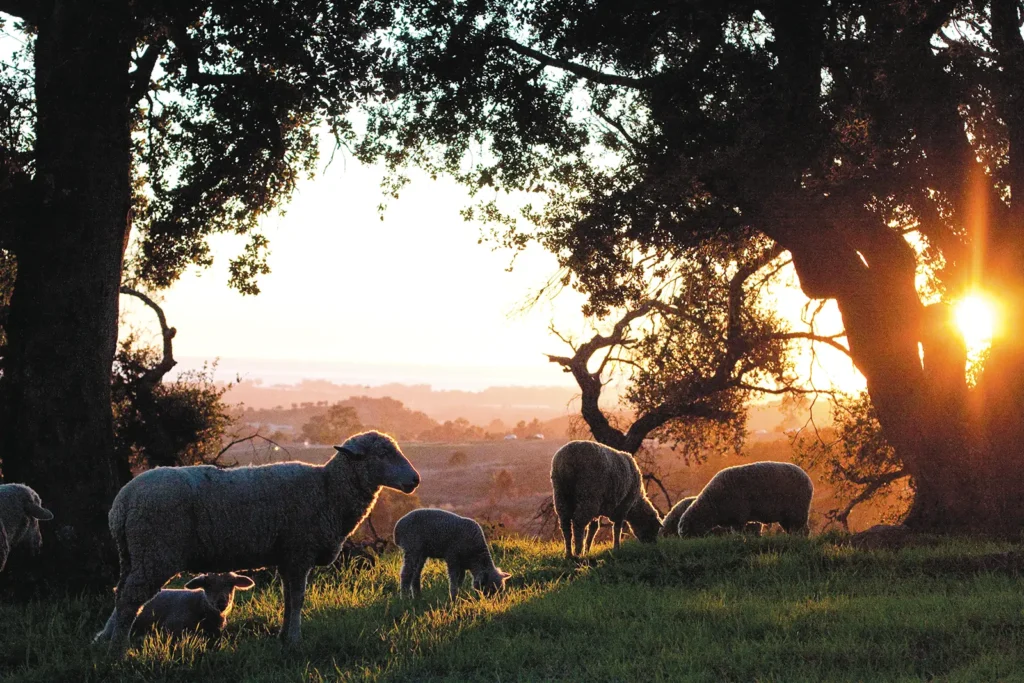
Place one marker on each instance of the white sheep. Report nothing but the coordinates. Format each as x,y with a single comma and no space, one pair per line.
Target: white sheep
290,515
459,541
758,492
21,510
670,525
202,606
589,480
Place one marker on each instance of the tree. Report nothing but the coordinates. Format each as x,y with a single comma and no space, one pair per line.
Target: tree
129,133
333,427
880,144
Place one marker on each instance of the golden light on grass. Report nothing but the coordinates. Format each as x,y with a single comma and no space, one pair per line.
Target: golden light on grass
977,319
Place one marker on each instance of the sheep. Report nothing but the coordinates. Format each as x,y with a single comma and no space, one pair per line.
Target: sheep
589,480
290,515
21,510
758,492
670,525
202,606
443,535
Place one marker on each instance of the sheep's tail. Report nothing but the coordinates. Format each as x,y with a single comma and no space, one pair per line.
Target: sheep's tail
117,531
565,500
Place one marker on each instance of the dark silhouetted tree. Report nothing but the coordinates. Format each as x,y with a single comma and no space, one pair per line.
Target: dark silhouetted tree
152,124
880,143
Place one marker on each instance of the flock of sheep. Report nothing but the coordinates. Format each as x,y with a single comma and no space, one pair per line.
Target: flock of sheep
294,515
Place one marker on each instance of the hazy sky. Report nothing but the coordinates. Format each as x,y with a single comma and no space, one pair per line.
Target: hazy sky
415,289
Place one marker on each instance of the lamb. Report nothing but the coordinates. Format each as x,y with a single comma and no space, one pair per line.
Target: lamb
590,480
443,535
21,510
758,492
670,525
202,606
290,515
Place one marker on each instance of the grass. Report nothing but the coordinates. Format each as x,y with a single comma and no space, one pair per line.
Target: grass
718,609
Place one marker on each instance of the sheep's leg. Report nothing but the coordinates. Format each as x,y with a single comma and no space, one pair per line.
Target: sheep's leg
566,523
592,530
456,574
579,535
616,532
132,593
412,571
294,581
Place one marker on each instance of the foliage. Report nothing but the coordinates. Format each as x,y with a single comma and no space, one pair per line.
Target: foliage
459,429
458,459
858,462
732,608
170,423
334,426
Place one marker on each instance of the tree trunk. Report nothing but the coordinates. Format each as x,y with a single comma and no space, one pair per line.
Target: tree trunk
56,432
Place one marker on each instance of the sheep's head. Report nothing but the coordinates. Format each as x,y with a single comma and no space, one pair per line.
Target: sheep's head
219,588
25,529
490,581
643,519
381,461
670,525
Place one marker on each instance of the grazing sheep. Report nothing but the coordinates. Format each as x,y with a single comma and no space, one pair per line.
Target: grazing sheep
21,510
759,492
290,515
590,480
670,525
203,606
443,535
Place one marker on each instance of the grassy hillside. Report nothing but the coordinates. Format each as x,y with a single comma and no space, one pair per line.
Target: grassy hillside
730,608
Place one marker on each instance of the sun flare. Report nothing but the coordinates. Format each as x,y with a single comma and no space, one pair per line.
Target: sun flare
976,319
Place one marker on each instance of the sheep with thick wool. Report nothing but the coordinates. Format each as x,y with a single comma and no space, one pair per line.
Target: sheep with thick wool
204,519
590,480
459,541
670,525
763,492
21,510
202,606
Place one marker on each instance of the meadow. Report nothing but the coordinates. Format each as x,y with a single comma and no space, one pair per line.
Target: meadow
728,608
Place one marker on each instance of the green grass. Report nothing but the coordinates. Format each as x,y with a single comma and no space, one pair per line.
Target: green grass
730,608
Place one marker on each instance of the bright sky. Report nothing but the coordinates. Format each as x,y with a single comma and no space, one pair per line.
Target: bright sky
350,296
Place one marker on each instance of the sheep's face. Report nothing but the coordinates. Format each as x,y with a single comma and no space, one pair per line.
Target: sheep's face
219,589
490,582
382,461
27,532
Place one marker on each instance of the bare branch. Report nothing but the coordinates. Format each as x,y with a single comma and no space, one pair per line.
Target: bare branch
155,374
876,483
830,340
247,439
576,69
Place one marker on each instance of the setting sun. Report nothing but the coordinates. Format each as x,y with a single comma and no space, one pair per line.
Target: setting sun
976,319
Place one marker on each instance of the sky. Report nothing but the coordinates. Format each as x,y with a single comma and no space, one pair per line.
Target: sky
413,298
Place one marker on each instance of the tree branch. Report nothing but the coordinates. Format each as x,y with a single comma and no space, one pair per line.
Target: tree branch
143,72
843,516
244,439
154,375
576,69
830,340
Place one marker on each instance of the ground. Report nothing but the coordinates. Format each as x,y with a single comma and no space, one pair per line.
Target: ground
728,608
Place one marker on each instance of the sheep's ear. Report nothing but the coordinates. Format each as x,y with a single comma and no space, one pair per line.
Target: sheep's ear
197,582
504,574
349,453
242,583
38,512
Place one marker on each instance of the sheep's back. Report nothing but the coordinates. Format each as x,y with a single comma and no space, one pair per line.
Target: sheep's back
772,491
586,470
221,519
431,532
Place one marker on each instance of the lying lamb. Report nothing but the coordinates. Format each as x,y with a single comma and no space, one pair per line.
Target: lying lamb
590,480
670,525
202,606
443,535
290,515
759,492
21,510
